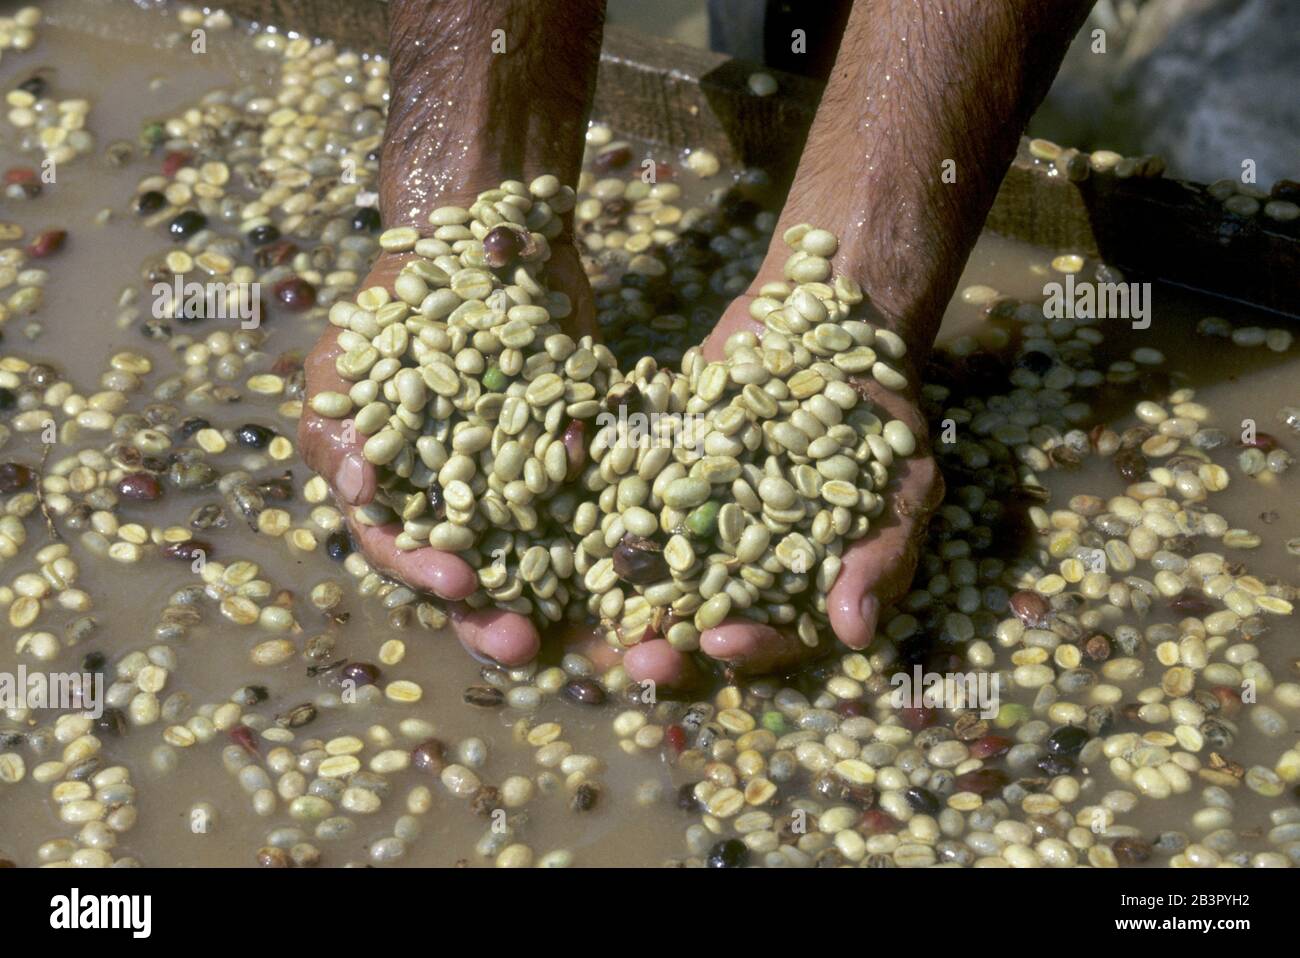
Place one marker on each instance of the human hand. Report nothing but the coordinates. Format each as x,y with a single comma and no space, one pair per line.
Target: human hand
332,448
877,569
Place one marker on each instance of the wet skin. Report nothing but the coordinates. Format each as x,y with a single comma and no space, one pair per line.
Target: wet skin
918,88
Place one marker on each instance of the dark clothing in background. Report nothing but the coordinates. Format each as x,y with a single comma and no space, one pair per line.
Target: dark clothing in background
762,31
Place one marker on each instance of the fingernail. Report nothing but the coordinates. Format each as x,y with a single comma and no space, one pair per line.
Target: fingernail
351,477
870,616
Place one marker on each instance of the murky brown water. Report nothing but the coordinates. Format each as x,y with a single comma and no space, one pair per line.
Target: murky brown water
79,330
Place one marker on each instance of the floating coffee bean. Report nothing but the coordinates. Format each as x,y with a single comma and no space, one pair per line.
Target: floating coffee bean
297,717
254,436
1191,602
295,294
360,673
245,738
923,800
140,486
991,746
1097,647
47,243
113,722
484,696
338,545
187,551
917,719
430,756
261,235
686,799
150,201
584,692
1131,851
174,161
984,782
188,427
1030,608
613,158
732,853
275,254
14,477
585,797
185,224
1067,740
1131,465
876,822
270,857
1055,765
675,738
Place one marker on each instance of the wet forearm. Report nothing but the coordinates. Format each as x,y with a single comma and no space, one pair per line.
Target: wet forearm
484,90
920,89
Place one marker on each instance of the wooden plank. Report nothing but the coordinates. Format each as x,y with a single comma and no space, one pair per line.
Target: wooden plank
1161,228
358,24
683,97
679,97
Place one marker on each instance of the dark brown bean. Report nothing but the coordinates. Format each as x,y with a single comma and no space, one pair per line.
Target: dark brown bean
141,486
639,561
1190,602
360,673
47,243
1131,851
187,551
270,857
1097,647
1131,465
575,448
984,782
991,746
14,477
584,692
501,245
585,797
1030,608
430,756
484,696
245,738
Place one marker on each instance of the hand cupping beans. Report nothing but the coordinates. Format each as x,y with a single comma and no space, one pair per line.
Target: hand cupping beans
658,501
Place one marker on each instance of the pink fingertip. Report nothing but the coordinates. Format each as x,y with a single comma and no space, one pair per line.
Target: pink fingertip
655,661
504,637
736,640
852,620
449,577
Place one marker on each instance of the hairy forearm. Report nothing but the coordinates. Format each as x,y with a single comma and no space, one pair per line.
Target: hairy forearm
921,87
466,114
